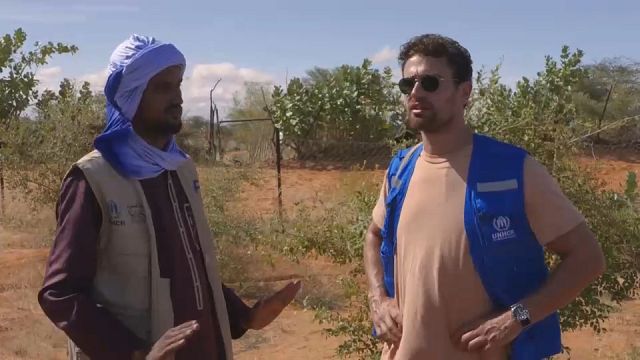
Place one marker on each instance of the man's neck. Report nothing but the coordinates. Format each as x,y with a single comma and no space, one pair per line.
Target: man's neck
450,139
158,141
155,140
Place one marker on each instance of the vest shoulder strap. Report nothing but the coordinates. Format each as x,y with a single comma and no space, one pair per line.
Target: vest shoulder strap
398,164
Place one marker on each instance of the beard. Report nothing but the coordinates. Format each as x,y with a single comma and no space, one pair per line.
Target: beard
167,126
428,122
170,123
170,126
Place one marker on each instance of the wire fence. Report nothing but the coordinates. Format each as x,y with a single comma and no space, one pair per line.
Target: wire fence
2,185
256,143
253,144
294,166
246,143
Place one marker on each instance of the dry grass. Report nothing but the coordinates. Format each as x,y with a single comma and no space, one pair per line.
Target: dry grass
312,190
25,237
25,333
25,227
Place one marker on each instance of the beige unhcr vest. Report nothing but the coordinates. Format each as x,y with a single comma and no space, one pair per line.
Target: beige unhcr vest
127,280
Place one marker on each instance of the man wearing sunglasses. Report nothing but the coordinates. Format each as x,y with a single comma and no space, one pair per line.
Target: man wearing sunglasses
454,254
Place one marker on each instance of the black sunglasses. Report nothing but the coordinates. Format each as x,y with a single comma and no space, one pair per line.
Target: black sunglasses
429,83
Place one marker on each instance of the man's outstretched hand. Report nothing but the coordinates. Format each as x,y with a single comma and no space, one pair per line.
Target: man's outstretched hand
172,340
267,309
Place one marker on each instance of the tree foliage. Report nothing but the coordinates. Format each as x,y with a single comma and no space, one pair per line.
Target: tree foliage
18,72
346,104
41,149
610,91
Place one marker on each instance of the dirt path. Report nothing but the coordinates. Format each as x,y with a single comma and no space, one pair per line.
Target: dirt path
292,336
622,337
612,167
316,190
25,333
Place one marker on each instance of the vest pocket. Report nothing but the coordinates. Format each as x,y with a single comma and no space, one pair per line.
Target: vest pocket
513,258
122,282
503,225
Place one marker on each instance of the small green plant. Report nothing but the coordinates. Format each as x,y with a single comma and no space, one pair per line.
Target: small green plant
631,188
235,236
337,234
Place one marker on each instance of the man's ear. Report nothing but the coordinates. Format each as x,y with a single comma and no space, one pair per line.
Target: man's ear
465,89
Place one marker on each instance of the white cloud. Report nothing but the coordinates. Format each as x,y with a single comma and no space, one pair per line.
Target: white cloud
49,72
196,86
384,56
397,72
49,78
96,79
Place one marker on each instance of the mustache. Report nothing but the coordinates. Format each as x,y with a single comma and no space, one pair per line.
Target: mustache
174,107
420,103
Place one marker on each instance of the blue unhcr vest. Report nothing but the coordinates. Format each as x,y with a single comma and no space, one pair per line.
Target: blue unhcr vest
504,249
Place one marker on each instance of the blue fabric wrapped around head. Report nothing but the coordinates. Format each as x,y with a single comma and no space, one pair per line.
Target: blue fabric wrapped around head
133,63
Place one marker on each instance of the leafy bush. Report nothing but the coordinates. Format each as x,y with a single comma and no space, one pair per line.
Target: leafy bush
41,150
349,103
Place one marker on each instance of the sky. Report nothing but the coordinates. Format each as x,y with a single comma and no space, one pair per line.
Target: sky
272,41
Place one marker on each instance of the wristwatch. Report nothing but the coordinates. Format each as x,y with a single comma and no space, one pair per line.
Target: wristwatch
521,314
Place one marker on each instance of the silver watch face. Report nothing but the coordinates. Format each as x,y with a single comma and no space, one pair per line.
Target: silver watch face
520,313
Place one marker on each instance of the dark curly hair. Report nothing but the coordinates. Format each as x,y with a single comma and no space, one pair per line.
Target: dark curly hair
438,46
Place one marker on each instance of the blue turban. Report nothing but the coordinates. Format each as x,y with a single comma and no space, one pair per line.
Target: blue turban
133,63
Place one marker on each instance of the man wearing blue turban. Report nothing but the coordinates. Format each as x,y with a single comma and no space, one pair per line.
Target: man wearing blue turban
132,272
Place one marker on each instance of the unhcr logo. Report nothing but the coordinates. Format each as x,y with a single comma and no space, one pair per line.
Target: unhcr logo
502,225
113,209
114,214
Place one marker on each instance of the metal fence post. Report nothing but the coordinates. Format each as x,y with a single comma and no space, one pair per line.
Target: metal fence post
2,198
278,169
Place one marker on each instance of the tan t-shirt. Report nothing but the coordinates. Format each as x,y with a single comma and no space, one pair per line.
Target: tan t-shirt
437,287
